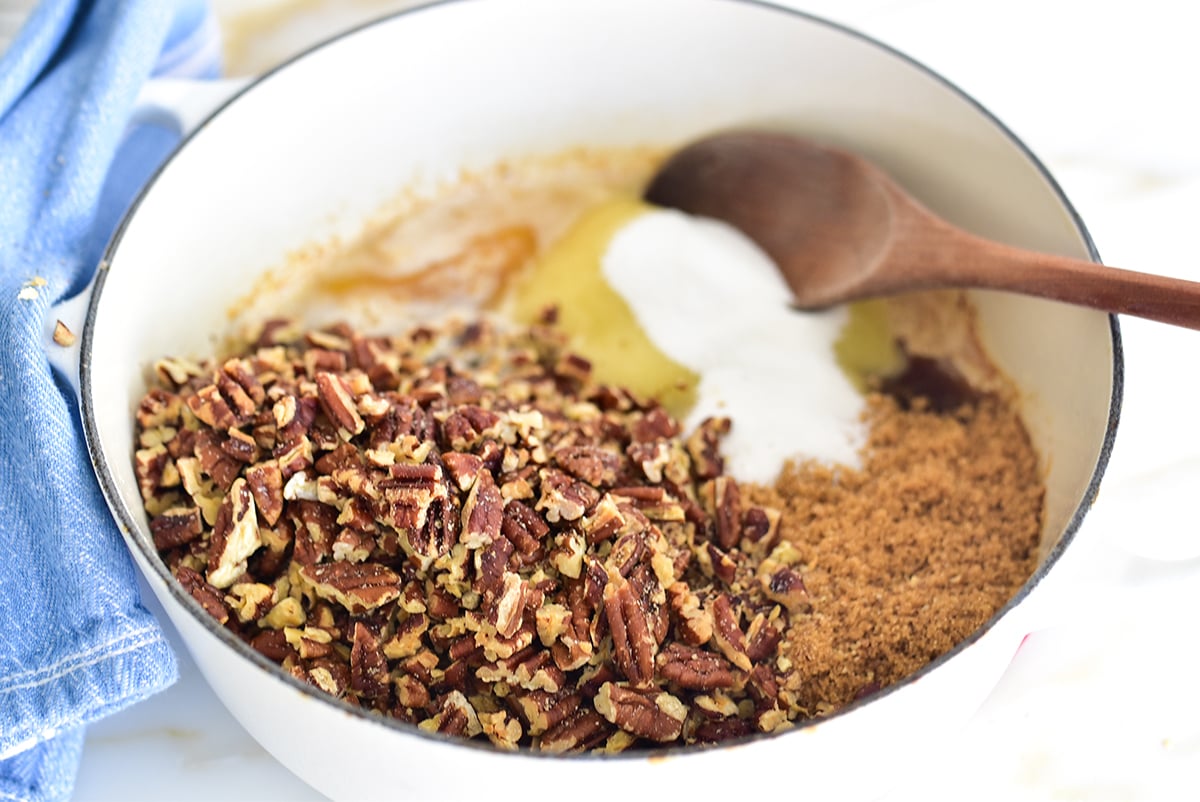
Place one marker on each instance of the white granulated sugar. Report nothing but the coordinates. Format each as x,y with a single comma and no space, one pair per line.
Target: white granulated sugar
710,299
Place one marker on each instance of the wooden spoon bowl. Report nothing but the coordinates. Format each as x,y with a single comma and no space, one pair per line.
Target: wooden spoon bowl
841,230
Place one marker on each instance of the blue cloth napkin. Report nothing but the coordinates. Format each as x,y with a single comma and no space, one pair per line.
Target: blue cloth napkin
75,642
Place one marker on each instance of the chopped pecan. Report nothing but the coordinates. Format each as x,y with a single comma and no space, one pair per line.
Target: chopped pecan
294,418
695,669
412,693
491,565
762,639
159,408
330,675
722,729
208,596
338,403
704,446
723,500
723,565
627,552
176,526
236,397
265,481
353,546
250,600
408,638
531,668
235,536
583,730
524,528
479,542
692,621
727,632
651,457
592,464
656,424
605,520
368,666
574,367
222,468
150,467
542,710
270,643
563,498
482,512
760,529
508,610
463,428
356,586
208,406
629,622
501,729
651,714
785,586
464,468
408,493
456,717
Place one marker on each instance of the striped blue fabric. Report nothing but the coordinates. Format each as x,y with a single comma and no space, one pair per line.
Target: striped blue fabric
75,642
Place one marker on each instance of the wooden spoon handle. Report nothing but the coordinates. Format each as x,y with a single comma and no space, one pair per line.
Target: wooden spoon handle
939,254
1128,292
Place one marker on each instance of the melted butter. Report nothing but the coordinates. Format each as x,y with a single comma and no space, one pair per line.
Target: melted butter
866,349
599,322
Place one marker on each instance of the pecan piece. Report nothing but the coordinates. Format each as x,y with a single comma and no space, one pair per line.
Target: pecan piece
652,714
727,633
235,536
159,408
704,446
583,730
594,465
630,625
694,669
223,468
368,666
760,529
491,565
524,528
338,403
656,424
693,622
563,498
456,716
785,586
176,526
208,405
208,596
464,468
723,500
651,458
501,729
722,729
542,710
482,512
508,611
356,586
266,485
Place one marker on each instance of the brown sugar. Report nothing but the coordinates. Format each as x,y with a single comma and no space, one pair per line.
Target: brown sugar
908,555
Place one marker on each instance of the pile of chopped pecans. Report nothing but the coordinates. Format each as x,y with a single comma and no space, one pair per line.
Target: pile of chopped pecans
457,527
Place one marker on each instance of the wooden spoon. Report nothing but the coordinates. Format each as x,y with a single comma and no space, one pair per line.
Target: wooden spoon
841,230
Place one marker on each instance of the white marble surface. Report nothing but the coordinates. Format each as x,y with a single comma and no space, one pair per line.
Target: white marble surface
1105,705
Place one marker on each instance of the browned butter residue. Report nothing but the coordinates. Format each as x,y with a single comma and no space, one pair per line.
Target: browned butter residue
451,247
485,266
